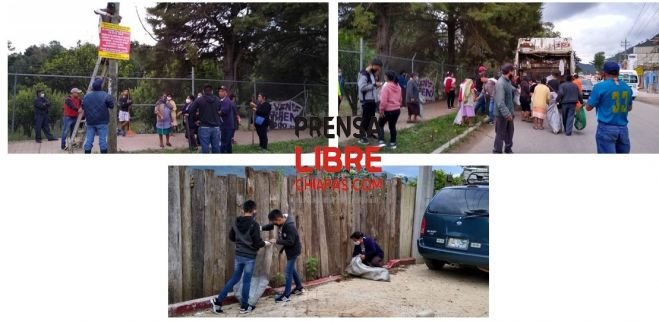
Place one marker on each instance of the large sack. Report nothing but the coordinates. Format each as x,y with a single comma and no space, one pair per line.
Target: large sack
260,277
458,116
357,268
553,116
580,119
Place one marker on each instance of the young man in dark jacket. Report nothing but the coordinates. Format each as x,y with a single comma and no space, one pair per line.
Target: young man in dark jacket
568,96
208,130
246,233
228,120
289,238
97,105
41,106
367,249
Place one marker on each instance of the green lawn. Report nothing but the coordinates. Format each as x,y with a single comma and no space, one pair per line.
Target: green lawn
423,138
287,147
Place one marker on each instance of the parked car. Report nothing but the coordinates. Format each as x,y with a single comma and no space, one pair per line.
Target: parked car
587,86
455,227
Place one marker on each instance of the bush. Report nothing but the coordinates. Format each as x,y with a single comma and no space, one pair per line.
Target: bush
277,280
311,268
25,108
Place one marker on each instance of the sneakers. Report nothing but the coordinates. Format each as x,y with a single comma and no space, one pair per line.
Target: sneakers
281,298
363,141
216,307
299,291
248,309
381,144
392,145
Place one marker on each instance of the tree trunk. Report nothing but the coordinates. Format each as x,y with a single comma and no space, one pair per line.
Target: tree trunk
229,64
451,26
384,21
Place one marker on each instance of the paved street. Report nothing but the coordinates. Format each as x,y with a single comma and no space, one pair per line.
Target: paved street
643,130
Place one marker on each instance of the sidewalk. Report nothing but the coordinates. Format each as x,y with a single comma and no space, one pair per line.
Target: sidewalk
648,97
430,111
142,142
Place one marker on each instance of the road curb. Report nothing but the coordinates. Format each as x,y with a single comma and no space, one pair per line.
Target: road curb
187,307
456,139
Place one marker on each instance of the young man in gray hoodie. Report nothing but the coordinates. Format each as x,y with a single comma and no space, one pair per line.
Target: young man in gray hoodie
246,233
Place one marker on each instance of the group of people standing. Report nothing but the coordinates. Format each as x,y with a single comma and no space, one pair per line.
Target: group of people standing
386,98
246,234
210,121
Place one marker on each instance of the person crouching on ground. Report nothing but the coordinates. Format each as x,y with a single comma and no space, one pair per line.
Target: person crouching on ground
163,113
367,249
246,233
540,101
466,99
390,101
289,238
97,105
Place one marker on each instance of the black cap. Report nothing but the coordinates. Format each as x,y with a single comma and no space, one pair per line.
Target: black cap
506,68
376,62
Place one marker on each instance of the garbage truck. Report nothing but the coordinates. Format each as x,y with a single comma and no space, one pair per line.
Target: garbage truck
538,58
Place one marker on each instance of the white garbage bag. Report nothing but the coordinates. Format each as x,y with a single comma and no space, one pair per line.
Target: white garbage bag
553,116
357,268
458,117
260,276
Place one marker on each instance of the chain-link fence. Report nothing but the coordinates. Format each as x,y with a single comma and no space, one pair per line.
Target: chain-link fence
431,74
302,99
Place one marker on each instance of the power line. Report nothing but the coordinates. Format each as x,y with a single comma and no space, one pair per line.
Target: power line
634,24
143,27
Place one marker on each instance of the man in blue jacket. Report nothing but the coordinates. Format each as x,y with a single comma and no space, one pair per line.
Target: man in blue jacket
97,105
367,249
41,107
228,120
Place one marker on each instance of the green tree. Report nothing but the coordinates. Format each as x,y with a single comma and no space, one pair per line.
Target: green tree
598,60
548,31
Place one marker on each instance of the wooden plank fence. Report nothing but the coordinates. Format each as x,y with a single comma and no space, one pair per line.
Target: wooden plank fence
203,206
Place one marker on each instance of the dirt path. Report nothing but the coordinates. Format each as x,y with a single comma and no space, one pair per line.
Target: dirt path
450,292
143,142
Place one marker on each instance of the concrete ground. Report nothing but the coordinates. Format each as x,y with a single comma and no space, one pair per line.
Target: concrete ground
143,142
643,131
450,292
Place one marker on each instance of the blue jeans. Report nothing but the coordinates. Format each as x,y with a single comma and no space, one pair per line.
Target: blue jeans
490,112
225,139
612,139
242,267
480,106
102,132
291,275
67,128
209,136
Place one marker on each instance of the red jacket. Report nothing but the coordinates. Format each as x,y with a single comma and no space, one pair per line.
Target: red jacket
71,106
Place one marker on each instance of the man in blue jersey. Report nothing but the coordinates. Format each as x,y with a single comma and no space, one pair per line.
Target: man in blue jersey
613,100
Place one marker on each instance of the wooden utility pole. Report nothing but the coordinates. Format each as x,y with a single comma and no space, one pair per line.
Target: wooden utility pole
113,89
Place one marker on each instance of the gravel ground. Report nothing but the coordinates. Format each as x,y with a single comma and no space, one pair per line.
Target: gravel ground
415,289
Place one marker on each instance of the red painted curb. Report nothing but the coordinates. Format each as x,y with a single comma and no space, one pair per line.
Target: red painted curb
187,307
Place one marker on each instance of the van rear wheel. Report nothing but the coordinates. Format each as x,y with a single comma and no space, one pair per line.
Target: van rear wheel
434,264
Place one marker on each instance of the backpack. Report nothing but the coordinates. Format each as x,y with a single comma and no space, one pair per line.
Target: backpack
448,85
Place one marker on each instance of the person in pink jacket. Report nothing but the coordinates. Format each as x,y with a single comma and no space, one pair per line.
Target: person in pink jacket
390,101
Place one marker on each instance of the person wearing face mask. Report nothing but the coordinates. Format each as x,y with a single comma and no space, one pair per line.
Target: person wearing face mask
72,105
367,249
504,111
189,123
368,97
163,113
125,104
289,238
41,106
262,110
413,104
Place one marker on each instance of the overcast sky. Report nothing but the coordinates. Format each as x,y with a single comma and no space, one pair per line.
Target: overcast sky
596,27
33,23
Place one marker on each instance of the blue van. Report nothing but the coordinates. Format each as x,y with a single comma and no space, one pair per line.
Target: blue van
456,228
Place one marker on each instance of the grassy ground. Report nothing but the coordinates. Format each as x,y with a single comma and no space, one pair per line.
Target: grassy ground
288,147
423,138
